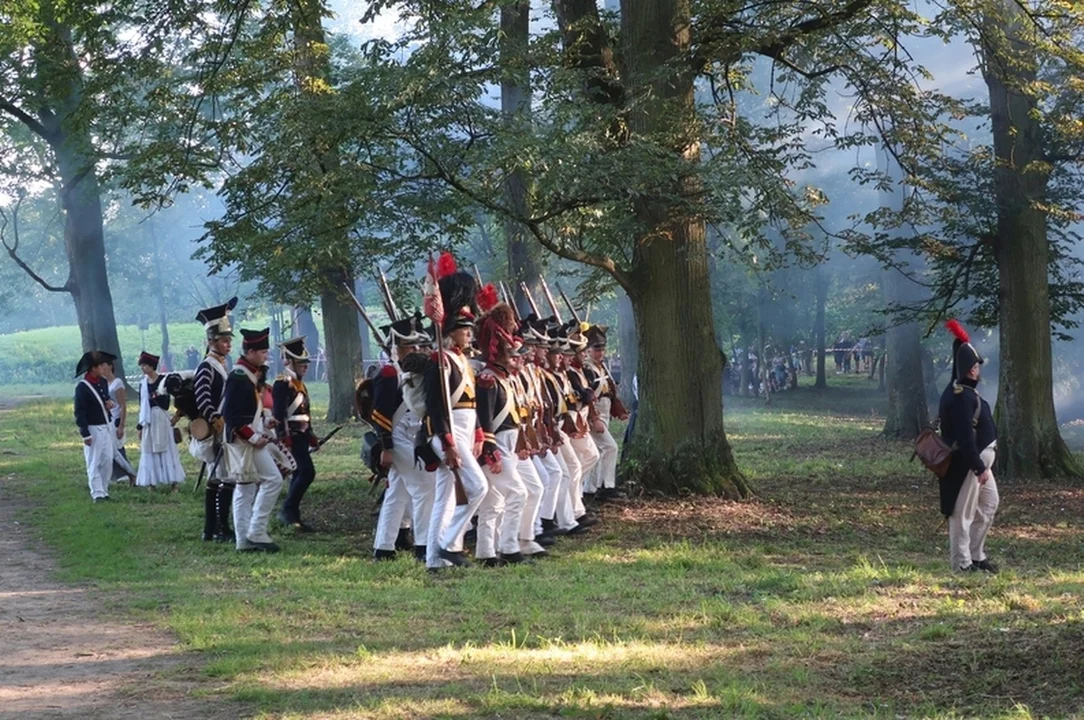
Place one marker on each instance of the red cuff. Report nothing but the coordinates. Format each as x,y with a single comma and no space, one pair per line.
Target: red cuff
245,432
479,436
447,440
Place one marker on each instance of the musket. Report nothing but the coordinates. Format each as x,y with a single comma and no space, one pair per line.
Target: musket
320,443
380,339
510,302
389,302
571,307
530,298
478,276
549,298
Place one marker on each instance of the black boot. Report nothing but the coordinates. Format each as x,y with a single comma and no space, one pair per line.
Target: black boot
383,555
210,515
549,527
403,540
224,502
419,553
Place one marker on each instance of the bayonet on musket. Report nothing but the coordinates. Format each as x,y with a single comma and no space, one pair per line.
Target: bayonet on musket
385,345
549,298
530,299
571,307
389,301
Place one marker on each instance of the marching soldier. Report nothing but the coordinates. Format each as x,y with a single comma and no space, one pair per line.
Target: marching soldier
582,412
398,407
249,463
501,517
571,515
209,384
92,408
457,440
293,426
969,496
603,481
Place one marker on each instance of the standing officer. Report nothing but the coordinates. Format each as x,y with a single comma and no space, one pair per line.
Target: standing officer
969,496
210,385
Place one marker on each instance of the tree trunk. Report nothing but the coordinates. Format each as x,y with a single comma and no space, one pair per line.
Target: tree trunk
342,348
764,366
160,294
341,335
628,345
1029,442
907,413
818,330
85,246
524,258
681,445
79,191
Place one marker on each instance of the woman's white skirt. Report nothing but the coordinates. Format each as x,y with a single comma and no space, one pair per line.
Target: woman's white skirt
159,468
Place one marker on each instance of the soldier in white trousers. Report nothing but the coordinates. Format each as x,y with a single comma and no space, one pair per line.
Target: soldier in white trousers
456,441
969,495
398,398
603,479
93,417
249,463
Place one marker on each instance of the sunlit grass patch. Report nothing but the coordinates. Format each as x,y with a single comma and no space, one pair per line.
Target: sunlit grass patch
825,596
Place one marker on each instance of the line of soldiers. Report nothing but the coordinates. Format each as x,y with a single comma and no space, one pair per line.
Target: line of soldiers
516,437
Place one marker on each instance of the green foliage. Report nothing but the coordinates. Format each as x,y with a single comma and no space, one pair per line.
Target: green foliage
951,214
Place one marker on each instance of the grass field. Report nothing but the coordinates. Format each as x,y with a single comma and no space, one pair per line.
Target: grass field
826,596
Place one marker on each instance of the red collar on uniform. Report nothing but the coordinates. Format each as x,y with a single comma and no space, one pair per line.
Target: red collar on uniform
246,363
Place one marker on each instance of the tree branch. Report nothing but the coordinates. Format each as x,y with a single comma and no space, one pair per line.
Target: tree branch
13,248
26,119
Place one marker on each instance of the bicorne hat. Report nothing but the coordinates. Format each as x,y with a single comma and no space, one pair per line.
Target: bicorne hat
92,358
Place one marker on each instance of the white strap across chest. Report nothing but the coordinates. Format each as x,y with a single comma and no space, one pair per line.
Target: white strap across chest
509,404
101,403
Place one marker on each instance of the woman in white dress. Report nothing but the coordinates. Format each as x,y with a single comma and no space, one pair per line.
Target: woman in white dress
159,459
117,393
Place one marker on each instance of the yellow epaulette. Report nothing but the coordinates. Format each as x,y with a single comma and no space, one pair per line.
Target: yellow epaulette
957,388
282,378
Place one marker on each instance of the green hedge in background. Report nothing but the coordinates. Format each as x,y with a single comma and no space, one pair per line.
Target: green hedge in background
49,355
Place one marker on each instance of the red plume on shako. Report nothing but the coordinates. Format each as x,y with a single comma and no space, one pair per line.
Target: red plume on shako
487,298
957,329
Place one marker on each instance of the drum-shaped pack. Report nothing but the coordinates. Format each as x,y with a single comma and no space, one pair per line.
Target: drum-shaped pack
283,458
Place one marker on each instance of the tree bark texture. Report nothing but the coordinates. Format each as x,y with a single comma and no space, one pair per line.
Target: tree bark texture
524,255
341,335
1029,442
907,413
342,348
62,118
680,441
819,331
628,345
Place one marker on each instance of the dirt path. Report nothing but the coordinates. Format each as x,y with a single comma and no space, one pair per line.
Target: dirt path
60,658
